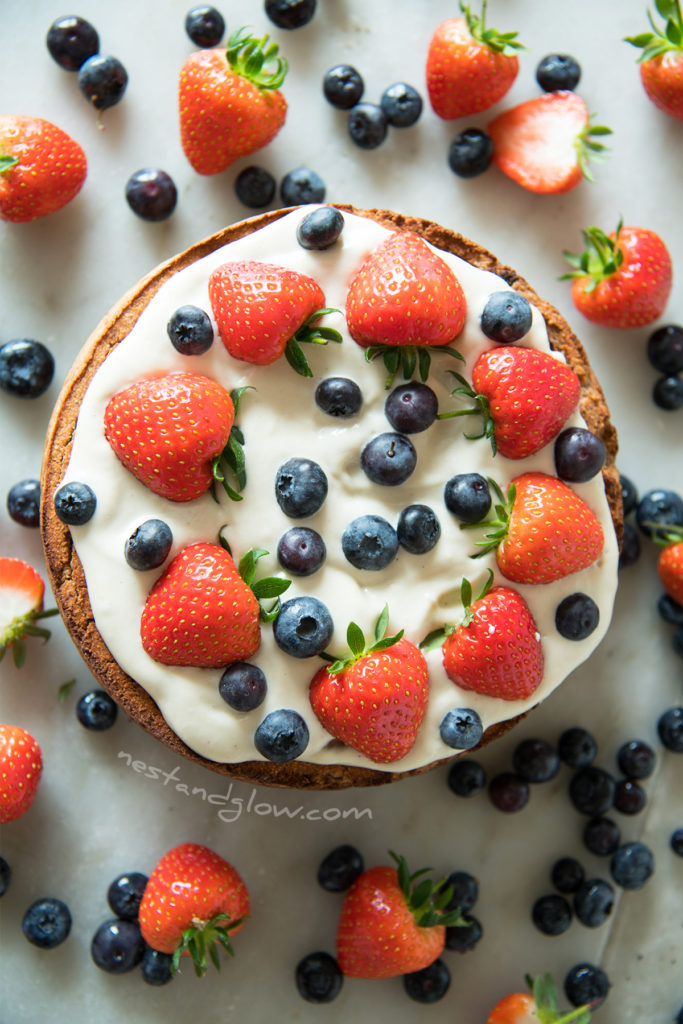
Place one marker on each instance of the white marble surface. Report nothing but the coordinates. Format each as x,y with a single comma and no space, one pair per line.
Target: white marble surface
94,816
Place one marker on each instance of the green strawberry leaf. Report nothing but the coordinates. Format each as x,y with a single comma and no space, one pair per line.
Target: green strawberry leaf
249,57
357,644
498,42
65,689
662,39
7,163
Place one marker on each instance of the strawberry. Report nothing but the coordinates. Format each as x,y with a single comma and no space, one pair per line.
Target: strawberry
469,66
21,765
622,279
545,143
264,311
670,561
543,532
41,168
524,397
193,900
539,1006
389,926
661,62
203,609
496,649
403,302
373,700
21,605
229,104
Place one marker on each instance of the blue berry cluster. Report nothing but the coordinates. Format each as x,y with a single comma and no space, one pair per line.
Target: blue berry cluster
117,946
368,124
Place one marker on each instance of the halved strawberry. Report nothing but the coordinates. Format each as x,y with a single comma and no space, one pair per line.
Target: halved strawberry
538,1006
21,765
661,62
22,593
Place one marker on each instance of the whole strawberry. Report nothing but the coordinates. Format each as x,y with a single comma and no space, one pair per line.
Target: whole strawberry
661,62
21,605
193,901
390,926
469,66
623,279
538,1006
230,105
374,700
21,765
670,561
41,168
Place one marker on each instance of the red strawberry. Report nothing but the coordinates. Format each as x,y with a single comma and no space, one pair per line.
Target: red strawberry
661,62
21,765
374,700
21,605
539,1006
203,609
41,168
469,66
264,311
545,143
229,104
670,561
622,279
388,926
496,649
193,900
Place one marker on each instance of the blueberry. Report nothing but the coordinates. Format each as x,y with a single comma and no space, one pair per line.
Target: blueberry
428,985
629,797
665,349
576,616
667,393
579,455
636,759
601,836
26,368
670,729
577,747
190,331
468,497
461,728
23,502
402,104
418,529
629,494
470,153
71,40
411,408
320,228
591,791
205,26
75,503
567,874
304,627
586,983
535,760
149,546
156,967
506,317
669,610
290,14
631,865
676,842
551,914
117,946
465,890
367,125
461,938
508,793
300,487
301,551
318,978
370,542
103,81
340,868
466,777
243,686
282,736
677,642
593,902
558,71
124,895
630,547
5,876
656,506
96,711
151,194
339,397
255,187
302,186
388,459
343,86
47,923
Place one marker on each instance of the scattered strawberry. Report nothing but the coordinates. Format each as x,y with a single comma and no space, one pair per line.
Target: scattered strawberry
21,605
264,311
389,926
205,611
496,649
41,168
622,279
661,62
230,105
670,561
21,765
545,143
469,66
539,1006
193,900
374,700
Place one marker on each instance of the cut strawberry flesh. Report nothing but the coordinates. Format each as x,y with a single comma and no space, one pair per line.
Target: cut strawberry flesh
21,590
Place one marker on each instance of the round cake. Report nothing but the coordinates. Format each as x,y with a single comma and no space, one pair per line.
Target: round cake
337,497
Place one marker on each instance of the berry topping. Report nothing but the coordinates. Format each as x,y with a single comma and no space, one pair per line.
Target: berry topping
301,551
370,542
402,104
388,459
290,14
631,865
282,736
71,40
577,747
411,408
558,71
470,153
367,125
96,711
300,487
466,777
468,497
665,349
506,317
117,946
302,186
255,187
47,923
551,914
579,455
23,502
125,893
576,616
418,529
149,546
428,985
243,686
304,627
75,503
205,26
343,86
340,868
593,902
339,396
320,229
103,81
536,760
151,194
190,331
318,978
461,728
591,791
26,368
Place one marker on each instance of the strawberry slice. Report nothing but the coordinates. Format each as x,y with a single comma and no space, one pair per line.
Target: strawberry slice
22,593
545,143
661,62
21,765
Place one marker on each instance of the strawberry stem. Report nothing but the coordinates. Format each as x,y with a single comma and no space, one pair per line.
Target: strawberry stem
201,938
249,57
267,588
660,40
7,163
481,407
427,900
19,627
407,358
358,646
601,258
309,332
498,42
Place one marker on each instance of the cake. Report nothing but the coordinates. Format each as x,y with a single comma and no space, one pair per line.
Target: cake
102,599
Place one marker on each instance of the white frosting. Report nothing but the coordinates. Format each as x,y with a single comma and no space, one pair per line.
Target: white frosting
280,420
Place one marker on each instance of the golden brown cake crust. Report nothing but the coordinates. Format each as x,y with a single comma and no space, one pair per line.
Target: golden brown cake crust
65,569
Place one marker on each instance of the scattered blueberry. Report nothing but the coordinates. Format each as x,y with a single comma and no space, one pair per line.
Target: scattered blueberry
302,186
665,349
579,455
506,317
586,983
343,86
117,946
47,923
340,868
75,503
26,368
468,497
5,876
388,459
631,865
508,792
370,542
304,627
551,914
300,487
470,153
282,736
629,494
601,836
667,393
205,26
630,547
591,790
418,529
411,408
535,760
577,747
23,502
320,228
670,729
255,187
629,797
156,967
676,842
151,194
428,985
402,104
593,902
103,81
290,14
71,40
558,71
576,616
671,611
301,551
465,890
124,895
367,125
636,759
149,546
461,938
567,874
318,978
466,777
339,397
657,506
243,686
677,642
461,728
96,711
190,331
